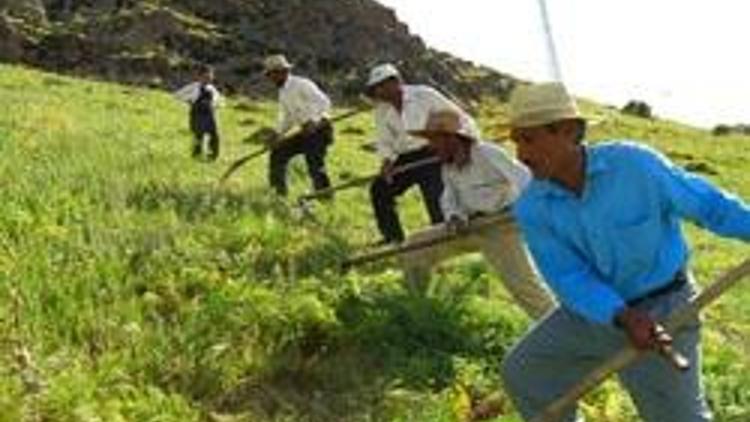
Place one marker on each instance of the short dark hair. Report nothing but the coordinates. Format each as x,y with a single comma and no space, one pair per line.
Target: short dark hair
463,142
370,90
204,69
580,133
467,140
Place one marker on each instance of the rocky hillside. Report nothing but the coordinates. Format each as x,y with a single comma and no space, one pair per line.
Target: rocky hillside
155,42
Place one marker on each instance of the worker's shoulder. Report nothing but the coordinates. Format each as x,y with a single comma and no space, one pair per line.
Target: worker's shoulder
529,206
626,152
302,82
486,147
420,90
212,87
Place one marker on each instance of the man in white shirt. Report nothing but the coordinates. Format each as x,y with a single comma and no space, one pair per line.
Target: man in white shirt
480,179
401,108
203,98
302,105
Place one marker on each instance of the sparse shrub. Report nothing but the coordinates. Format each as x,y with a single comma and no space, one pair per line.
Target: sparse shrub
638,108
724,129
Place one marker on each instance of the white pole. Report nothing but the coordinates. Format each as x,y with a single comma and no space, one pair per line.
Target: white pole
554,63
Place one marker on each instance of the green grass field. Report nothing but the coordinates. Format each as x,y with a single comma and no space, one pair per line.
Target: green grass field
135,287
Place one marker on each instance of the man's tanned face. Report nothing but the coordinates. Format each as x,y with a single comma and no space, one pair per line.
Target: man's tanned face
388,91
544,149
278,76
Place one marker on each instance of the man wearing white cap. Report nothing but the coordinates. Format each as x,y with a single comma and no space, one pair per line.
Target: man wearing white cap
401,108
480,179
603,224
302,104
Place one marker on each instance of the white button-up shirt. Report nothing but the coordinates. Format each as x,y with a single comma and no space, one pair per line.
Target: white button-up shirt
301,101
190,92
419,101
491,180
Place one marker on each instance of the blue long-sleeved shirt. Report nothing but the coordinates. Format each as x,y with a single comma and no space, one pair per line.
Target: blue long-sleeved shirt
622,237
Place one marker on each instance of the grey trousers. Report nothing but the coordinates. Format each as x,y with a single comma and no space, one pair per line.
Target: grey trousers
562,348
503,249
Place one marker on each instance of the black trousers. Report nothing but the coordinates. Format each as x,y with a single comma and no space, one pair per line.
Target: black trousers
314,147
213,143
202,124
384,194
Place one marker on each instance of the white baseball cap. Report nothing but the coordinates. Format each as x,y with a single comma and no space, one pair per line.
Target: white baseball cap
380,73
276,62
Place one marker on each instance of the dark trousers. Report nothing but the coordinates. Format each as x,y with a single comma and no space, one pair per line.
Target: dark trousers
202,124
213,143
124,4
313,146
384,194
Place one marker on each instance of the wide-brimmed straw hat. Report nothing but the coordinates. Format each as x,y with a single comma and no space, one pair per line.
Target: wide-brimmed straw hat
276,62
444,122
541,104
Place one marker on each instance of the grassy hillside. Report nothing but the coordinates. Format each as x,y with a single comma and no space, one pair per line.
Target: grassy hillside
134,287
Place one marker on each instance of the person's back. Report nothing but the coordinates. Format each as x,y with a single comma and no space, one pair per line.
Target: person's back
203,105
491,181
203,98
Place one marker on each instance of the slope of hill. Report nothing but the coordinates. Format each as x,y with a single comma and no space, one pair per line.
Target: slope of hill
134,287
155,42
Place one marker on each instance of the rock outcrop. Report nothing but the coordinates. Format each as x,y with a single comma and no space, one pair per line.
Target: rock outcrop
158,42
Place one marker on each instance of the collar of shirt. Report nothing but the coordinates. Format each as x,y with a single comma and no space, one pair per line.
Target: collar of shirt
596,164
288,84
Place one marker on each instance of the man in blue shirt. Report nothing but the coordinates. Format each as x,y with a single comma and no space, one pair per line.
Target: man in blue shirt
603,224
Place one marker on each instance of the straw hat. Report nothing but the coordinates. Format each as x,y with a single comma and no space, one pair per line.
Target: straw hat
381,73
444,122
541,104
276,62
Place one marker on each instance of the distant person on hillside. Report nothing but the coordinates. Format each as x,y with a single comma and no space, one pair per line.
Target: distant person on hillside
203,98
302,105
479,180
401,108
65,8
603,225
124,4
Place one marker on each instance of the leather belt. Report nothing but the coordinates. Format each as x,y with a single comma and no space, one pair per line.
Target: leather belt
678,280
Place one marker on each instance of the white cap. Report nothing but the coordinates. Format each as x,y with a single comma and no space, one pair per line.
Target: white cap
276,62
382,72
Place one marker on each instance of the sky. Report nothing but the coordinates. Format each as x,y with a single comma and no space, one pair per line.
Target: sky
689,59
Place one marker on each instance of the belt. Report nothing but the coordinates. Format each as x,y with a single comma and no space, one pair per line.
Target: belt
678,281
478,214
